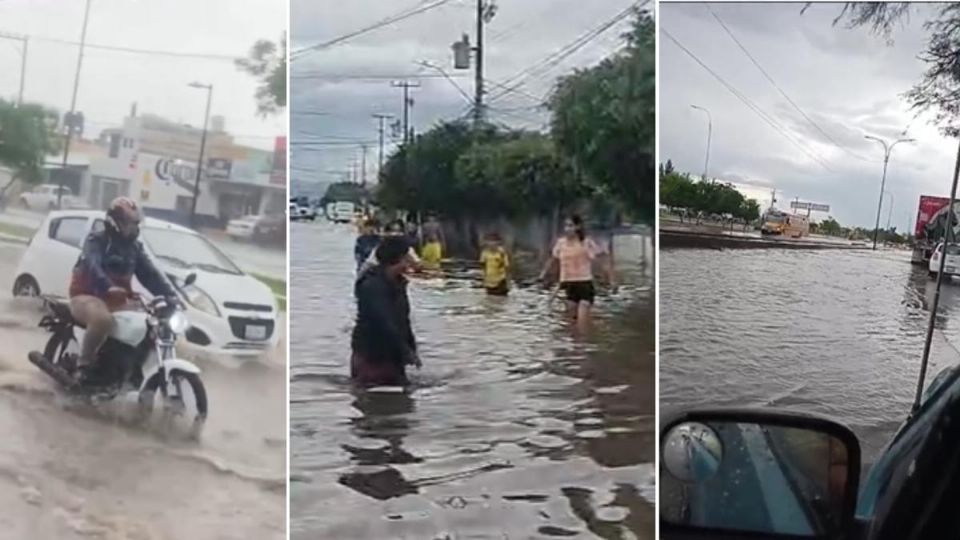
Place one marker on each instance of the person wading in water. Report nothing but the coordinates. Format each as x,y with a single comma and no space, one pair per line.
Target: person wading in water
575,252
383,342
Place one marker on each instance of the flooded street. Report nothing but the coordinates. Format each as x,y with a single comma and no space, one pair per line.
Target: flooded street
839,333
68,474
513,429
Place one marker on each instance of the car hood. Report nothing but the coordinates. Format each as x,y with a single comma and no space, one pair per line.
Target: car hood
223,287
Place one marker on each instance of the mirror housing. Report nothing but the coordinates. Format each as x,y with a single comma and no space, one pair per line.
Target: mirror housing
190,280
757,473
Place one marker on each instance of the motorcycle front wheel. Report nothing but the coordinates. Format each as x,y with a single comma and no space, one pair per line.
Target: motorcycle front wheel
184,398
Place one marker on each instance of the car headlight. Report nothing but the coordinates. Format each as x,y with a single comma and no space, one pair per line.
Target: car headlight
200,300
179,323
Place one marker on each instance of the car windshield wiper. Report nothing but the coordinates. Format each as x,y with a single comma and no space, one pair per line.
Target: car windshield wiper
179,262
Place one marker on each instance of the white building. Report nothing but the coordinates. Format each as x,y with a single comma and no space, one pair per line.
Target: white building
154,161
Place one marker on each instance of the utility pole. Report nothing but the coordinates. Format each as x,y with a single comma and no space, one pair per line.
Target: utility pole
73,103
407,103
382,118
23,60
363,165
478,98
203,146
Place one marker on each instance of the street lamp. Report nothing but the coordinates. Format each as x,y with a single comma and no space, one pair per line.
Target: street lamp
890,210
706,165
203,145
887,148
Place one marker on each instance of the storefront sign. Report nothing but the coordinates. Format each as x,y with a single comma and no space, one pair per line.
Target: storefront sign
176,171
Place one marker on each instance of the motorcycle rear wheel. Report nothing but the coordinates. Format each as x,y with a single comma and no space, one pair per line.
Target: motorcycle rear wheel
172,407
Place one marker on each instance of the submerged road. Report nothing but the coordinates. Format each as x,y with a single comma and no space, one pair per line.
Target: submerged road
515,428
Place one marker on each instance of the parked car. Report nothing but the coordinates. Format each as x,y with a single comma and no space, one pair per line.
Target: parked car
265,228
44,197
951,267
230,312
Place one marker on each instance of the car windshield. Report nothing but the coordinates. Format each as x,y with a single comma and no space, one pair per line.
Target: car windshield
953,249
188,250
776,218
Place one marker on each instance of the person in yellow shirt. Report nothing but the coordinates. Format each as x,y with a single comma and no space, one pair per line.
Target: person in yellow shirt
431,254
496,266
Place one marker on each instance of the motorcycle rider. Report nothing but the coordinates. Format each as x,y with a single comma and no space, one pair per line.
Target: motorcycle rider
101,281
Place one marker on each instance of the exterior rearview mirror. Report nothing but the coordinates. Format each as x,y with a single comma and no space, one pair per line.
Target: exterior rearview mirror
757,473
191,279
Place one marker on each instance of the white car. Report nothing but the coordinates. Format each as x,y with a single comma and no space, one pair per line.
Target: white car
44,197
231,313
243,228
951,265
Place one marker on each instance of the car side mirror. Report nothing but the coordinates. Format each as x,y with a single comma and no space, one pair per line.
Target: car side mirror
727,473
190,280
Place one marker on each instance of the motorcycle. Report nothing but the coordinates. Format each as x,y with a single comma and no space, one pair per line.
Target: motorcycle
138,358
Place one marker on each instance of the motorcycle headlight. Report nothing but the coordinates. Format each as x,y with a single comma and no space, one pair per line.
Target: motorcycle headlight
201,300
179,323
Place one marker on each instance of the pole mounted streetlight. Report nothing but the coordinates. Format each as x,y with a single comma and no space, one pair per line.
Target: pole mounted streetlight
706,164
890,209
203,145
887,148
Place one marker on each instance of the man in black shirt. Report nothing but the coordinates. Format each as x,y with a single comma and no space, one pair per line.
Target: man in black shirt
383,342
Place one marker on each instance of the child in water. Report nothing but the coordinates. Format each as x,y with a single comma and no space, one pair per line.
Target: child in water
432,253
496,266
367,242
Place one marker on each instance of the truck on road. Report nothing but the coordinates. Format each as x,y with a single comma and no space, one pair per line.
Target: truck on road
928,231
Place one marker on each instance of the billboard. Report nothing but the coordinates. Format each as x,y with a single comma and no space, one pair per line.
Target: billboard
813,207
929,207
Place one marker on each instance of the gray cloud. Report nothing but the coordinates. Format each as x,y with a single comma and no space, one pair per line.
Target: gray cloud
111,80
521,35
849,82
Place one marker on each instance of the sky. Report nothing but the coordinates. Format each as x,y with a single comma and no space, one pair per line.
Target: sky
111,81
848,82
330,109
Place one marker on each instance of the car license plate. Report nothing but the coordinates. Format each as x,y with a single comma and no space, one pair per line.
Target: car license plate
256,331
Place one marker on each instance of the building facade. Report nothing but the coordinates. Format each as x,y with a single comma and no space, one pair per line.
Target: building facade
154,161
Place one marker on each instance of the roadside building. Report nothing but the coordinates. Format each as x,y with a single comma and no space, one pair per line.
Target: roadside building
154,161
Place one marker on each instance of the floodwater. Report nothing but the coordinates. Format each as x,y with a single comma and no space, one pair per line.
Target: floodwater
69,472
839,333
513,429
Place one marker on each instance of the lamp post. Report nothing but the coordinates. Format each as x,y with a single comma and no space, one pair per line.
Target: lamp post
203,145
887,148
889,210
706,164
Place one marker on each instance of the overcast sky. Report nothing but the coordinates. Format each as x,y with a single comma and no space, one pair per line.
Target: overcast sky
110,81
522,33
849,82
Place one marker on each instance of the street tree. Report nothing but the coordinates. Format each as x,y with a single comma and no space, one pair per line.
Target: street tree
26,139
603,118
267,61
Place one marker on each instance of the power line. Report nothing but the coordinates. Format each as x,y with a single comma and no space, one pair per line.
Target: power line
779,89
566,51
132,50
370,77
746,101
406,14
